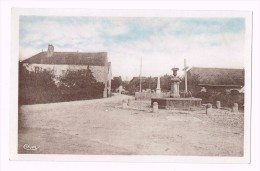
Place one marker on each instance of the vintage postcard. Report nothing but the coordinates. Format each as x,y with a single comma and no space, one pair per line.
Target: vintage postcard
131,85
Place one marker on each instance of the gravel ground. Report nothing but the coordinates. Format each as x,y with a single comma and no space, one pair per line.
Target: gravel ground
102,126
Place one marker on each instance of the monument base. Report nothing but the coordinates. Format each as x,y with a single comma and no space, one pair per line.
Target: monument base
158,91
176,103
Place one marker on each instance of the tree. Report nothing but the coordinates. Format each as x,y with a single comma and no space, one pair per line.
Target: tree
116,82
193,84
80,84
40,86
150,83
36,87
166,82
147,83
125,84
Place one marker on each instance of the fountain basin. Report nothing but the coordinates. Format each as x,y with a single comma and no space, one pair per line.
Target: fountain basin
176,103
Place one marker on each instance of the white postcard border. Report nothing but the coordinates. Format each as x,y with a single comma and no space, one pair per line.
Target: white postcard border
129,13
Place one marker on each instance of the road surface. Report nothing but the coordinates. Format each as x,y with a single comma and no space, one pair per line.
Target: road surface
102,126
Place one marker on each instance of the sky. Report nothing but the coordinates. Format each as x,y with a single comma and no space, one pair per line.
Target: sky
161,43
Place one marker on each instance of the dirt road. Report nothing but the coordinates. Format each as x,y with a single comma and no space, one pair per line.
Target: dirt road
102,126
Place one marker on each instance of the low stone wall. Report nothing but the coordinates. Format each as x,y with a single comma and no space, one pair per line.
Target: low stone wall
175,103
149,96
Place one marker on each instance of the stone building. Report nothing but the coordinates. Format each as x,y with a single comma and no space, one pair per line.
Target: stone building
60,62
217,78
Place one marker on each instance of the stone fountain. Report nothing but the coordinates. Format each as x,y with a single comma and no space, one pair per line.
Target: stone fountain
175,101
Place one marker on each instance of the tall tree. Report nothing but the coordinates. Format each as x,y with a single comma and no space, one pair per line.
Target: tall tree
116,82
166,82
80,84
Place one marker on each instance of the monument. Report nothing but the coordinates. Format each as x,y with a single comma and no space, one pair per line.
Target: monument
185,69
175,82
158,89
175,101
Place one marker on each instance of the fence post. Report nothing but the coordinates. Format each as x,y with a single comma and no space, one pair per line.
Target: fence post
124,104
209,108
129,102
218,105
155,107
235,108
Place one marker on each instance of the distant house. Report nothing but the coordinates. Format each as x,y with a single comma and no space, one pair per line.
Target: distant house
60,62
120,90
218,78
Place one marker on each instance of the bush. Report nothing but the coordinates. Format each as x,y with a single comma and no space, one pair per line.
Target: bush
116,82
36,87
226,99
80,84
40,87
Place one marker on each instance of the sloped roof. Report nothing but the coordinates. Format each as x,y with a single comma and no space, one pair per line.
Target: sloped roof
218,76
138,78
69,58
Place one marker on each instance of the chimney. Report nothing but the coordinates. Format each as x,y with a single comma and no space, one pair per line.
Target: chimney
50,50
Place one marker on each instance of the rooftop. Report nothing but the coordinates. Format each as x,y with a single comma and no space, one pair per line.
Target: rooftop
218,76
69,58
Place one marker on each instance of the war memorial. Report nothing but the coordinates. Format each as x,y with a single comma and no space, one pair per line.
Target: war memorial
175,101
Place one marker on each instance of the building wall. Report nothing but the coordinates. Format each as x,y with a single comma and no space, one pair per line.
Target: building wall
101,73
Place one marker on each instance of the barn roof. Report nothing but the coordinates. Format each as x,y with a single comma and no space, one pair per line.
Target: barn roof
69,58
218,76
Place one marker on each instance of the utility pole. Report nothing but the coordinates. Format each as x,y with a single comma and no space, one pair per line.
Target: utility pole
140,77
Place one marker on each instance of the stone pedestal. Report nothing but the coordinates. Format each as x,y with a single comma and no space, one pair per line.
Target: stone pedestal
175,90
175,82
